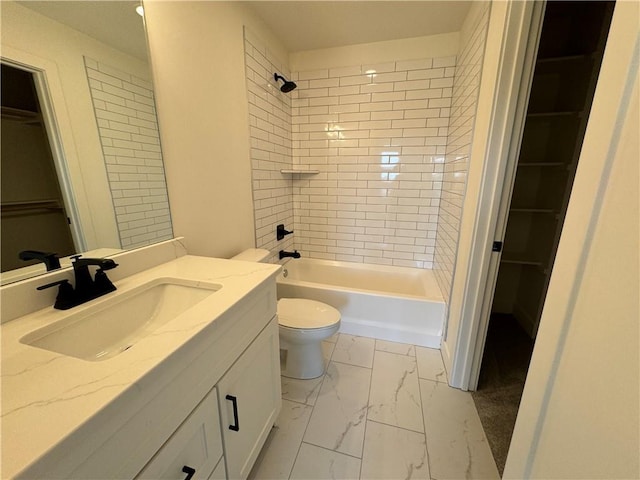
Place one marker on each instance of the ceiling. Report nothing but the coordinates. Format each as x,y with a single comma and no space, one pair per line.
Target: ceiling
115,23
310,25
300,25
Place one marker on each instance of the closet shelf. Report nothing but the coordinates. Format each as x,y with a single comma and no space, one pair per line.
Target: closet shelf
564,59
541,164
570,113
519,260
299,172
19,115
28,206
533,210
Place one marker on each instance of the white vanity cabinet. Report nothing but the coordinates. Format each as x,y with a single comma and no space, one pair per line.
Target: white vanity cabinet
178,413
249,397
194,450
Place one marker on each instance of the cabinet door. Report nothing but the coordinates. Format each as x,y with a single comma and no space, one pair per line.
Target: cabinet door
193,450
249,396
219,473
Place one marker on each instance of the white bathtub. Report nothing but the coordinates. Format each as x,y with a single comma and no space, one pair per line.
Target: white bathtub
390,303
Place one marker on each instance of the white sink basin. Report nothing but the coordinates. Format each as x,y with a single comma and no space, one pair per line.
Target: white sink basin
117,322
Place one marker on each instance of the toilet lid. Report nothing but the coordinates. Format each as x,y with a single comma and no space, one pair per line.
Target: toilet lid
303,313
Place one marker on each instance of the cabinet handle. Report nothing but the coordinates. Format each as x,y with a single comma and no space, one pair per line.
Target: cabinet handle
189,471
234,402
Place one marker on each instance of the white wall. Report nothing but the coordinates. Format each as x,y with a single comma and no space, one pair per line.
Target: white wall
32,39
197,57
579,417
443,45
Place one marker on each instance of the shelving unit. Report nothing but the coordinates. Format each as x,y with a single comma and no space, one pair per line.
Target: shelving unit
568,61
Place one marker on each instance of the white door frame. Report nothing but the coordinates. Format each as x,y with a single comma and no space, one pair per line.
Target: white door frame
519,21
57,151
514,142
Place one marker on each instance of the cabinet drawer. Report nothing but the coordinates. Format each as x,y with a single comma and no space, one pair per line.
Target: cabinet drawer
196,444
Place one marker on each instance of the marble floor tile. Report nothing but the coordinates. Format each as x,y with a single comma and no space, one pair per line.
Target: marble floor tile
430,364
279,453
301,391
391,452
354,350
339,414
321,464
327,350
395,347
395,392
456,442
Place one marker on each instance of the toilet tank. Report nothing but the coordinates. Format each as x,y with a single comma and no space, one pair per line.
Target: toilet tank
258,255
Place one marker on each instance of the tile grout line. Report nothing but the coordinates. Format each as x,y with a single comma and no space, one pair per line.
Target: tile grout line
424,423
366,418
313,407
332,451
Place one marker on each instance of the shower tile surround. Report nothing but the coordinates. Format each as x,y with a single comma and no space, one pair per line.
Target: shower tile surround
456,165
391,142
128,128
377,138
270,139
377,134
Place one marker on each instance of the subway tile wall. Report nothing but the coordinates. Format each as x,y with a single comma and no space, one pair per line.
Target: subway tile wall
125,112
378,136
270,140
458,147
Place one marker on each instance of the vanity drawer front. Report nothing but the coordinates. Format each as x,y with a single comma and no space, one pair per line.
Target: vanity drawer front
196,444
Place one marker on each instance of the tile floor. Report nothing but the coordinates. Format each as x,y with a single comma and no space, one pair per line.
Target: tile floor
382,410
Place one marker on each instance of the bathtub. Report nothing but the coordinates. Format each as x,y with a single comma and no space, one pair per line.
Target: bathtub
389,303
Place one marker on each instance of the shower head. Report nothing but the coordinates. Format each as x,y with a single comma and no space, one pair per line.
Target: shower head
288,86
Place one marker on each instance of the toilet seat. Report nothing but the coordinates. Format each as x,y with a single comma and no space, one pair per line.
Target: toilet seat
302,313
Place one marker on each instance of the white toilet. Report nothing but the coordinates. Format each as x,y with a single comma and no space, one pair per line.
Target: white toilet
303,325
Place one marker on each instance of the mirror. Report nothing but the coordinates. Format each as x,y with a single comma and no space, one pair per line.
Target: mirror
82,97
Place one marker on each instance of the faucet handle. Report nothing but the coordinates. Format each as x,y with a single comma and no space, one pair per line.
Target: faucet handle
64,300
53,284
281,232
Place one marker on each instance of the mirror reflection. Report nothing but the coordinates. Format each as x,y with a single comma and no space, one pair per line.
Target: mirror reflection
81,161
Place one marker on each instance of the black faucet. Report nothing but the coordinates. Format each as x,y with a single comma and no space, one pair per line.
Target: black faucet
50,260
281,232
86,288
294,254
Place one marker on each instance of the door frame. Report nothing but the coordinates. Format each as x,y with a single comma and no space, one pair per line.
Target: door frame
504,200
521,23
54,140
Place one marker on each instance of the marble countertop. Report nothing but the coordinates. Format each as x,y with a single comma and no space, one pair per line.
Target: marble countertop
47,396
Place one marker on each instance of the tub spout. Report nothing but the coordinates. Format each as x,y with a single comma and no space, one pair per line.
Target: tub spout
294,254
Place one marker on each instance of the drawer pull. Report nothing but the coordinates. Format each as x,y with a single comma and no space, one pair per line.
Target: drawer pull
189,471
234,402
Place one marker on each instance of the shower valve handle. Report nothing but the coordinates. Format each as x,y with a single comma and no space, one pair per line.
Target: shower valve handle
281,232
